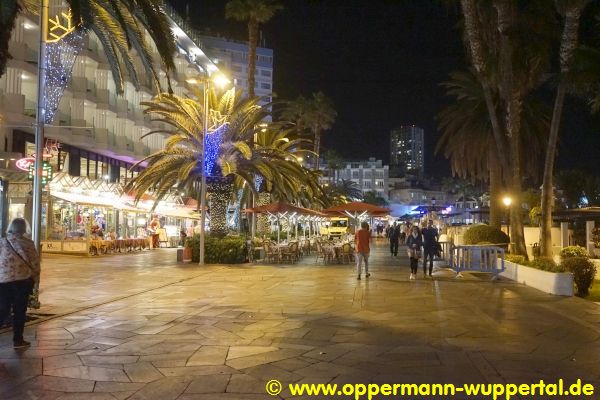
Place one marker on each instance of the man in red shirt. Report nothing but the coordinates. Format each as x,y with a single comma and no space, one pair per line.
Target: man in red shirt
362,238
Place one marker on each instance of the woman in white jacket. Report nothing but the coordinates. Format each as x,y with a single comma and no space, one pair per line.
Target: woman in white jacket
19,270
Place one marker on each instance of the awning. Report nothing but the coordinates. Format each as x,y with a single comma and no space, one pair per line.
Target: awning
83,199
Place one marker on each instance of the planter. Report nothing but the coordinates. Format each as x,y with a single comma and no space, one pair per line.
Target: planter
187,254
557,283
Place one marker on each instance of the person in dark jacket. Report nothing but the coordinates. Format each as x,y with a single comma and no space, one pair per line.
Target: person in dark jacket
394,237
414,242
430,243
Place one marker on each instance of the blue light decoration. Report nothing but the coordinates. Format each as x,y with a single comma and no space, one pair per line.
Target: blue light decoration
258,180
212,143
60,57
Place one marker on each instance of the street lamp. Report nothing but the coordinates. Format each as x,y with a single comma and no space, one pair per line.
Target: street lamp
507,202
221,81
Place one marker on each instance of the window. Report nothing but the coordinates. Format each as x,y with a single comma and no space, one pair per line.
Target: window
236,68
367,184
83,165
379,184
265,72
354,174
265,85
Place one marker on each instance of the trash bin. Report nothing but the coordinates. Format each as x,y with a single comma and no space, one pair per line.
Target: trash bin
179,255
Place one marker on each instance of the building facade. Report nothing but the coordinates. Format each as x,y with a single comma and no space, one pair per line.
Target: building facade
95,135
370,175
407,147
233,56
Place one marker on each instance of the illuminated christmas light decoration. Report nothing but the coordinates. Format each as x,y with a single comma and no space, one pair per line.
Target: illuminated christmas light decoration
213,143
219,194
258,180
59,27
60,58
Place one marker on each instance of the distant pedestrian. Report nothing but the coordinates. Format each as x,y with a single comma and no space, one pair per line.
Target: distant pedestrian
406,232
394,237
414,243
362,237
430,244
19,271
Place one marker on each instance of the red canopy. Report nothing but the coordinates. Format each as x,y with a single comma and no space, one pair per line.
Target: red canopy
279,208
357,207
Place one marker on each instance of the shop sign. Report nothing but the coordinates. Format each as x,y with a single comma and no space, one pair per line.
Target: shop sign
24,163
47,172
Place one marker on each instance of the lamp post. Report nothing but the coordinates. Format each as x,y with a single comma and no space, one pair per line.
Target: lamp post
40,120
221,81
507,202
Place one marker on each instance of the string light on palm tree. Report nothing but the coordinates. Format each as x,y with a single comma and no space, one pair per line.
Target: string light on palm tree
221,81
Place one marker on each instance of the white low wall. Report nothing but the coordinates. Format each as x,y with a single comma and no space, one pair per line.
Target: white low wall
560,284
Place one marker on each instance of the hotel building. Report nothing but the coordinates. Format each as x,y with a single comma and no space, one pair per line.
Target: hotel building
95,136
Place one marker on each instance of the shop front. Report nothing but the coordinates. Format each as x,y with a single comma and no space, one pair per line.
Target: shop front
84,216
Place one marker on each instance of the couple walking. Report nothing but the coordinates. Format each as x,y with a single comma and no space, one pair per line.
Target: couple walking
427,239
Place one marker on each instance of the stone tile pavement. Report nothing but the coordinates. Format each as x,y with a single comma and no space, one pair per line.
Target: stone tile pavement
143,327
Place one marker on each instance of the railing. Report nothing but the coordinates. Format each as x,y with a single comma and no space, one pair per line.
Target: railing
477,258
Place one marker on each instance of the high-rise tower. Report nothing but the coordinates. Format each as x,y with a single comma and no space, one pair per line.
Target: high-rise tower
407,149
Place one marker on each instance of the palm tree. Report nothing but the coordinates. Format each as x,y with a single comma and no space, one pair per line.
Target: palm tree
120,26
231,163
510,48
468,142
313,116
571,10
256,12
373,198
342,192
334,163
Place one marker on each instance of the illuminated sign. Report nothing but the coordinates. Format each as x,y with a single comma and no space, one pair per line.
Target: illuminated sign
47,172
24,163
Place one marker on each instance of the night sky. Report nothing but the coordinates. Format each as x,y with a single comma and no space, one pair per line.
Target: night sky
381,62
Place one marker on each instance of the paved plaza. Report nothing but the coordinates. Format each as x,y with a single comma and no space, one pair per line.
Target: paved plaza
141,326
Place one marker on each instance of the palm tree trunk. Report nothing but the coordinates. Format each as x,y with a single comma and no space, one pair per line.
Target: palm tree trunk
317,148
253,42
568,44
495,191
475,42
218,200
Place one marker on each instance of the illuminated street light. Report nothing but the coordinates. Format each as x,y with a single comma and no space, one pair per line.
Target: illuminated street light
507,202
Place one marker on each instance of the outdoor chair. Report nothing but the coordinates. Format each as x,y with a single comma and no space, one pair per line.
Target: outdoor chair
306,247
291,253
346,253
271,252
325,252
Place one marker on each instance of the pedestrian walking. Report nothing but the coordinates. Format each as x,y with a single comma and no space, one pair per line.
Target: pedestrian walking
394,237
19,271
414,242
430,244
362,237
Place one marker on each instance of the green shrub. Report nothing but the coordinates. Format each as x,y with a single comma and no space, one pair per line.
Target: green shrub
219,250
478,234
546,264
516,258
583,270
282,235
574,251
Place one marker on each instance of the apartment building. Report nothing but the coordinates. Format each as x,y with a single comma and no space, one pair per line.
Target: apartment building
370,175
407,147
99,134
94,137
232,56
